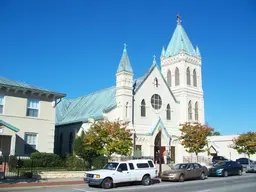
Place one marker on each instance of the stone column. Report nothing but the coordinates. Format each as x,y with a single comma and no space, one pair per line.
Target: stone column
13,144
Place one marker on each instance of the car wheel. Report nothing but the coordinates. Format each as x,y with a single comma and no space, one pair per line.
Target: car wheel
240,172
107,183
202,177
146,180
181,178
225,173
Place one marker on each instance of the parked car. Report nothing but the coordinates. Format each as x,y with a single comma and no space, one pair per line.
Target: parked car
248,165
216,159
185,171
226,168
121,172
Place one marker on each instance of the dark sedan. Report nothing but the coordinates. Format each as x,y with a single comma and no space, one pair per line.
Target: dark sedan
226,168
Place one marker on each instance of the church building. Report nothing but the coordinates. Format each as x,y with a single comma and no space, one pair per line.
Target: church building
169,93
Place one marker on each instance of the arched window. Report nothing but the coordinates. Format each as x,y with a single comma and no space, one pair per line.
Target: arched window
188,77
126,110
61,141
143,108
189,110
194,78
70,144
196,111
168,112
169,78
177,76
156,82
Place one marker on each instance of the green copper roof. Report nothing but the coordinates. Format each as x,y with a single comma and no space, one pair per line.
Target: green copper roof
4,82
95,104
179,41
124,64
197,51
88,106
9,126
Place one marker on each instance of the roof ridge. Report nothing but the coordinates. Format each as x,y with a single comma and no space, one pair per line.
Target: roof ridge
92,93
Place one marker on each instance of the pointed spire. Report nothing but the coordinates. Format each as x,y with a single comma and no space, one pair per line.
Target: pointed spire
179,42
124,64
163,52
197,51
179,19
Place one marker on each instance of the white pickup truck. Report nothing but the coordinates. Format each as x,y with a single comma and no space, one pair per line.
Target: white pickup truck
120,172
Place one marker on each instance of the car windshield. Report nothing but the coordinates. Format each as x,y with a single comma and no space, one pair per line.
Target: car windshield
111,166
220,163
180,166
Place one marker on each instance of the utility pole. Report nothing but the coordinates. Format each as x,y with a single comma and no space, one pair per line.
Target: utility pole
160,156
134,133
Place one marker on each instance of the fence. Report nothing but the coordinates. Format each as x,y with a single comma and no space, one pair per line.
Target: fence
24,167
199,159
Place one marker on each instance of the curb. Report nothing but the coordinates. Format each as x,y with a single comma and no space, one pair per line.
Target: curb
40,184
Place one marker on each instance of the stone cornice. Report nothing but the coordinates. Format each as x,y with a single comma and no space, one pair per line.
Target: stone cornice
181,57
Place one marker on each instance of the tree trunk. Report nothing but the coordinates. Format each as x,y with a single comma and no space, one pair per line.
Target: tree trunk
89,164
196,157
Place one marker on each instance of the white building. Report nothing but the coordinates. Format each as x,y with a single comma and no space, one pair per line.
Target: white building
164,97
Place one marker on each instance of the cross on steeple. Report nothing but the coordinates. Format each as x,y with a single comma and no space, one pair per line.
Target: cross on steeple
178,19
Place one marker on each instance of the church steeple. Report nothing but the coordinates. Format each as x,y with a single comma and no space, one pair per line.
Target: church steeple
179,42
124,64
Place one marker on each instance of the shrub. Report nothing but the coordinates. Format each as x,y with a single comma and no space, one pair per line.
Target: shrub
74,163
99,162
46,160
12,163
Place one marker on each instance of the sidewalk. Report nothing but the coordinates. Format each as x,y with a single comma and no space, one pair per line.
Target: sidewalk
10,183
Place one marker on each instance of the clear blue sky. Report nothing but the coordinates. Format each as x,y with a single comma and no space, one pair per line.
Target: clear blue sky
75,47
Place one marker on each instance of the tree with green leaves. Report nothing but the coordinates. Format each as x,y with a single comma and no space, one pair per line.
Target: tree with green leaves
83,150
106,138
245,143
194,137
215,133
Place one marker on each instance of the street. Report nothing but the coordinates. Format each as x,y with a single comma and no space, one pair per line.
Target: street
212,184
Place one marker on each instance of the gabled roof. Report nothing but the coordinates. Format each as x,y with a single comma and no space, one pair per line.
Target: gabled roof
95,104
9,126
85,107
178,42
139,82
124,64
8,83
159,122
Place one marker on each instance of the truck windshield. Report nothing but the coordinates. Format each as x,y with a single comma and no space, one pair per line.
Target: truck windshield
111,166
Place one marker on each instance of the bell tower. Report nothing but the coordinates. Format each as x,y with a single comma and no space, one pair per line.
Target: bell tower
124,86
181,66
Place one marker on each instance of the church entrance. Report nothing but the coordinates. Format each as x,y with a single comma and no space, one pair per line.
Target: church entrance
158,149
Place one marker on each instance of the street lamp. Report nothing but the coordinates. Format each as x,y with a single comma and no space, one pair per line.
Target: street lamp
134,132
159,158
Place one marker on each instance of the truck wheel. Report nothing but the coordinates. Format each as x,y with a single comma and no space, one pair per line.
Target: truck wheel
146,180
107,183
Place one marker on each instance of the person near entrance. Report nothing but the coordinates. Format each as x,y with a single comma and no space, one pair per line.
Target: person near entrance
165,156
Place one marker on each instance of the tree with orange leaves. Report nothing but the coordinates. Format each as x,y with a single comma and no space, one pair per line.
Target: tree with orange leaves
107,138
194,137
245,143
